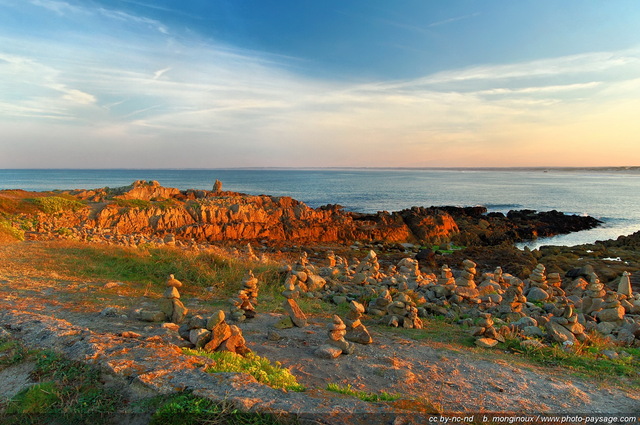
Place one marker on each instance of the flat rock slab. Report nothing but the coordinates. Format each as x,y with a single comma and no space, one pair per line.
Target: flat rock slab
163,368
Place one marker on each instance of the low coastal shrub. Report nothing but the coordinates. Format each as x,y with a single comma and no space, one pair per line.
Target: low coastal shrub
261,368
56,204
362,395
187,409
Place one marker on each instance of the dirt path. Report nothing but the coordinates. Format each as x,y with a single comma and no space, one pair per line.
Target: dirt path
452,378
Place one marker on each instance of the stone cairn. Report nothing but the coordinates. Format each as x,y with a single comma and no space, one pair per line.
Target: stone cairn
409,274
214,334
367,271
251,256
624,286
242,307
378,306
356,331
486,335
490,288
538,287
612,310
466,286
403,312
217,186
295,316
335,344
446,283
513,300
173,308
563,326
593,295
555,286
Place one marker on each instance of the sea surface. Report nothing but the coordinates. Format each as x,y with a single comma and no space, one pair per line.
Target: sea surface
608,194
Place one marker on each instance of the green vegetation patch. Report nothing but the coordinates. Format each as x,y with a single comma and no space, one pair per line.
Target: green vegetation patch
273,375
7,229
57,204
362,395
450,249
65,392
584,359
153,266
187,409
133,203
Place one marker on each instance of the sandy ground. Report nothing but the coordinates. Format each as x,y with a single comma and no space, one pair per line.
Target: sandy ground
452,378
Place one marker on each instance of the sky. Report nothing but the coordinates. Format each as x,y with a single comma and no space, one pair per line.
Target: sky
323,83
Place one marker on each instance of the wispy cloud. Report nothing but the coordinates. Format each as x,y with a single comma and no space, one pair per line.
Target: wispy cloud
231,106
59,7
452,20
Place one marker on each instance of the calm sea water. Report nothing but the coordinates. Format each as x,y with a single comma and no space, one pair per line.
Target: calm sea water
611,195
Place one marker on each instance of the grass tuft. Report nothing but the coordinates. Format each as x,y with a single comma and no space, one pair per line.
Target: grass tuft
261,368
584,359
187,409
56,204
153,265
10,232
362,395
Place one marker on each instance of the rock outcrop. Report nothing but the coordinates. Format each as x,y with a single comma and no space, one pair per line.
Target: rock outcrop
152,212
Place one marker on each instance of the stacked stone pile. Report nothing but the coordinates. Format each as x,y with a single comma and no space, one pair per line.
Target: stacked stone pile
486,334
611,309
445,284
356,330
555,286
367,272
466,286
335,344
295,316
403,312
243,306
593,296
409,274
499,295
214,334
513,301
251,256
491,288
378,306
565,327
538,287
173,308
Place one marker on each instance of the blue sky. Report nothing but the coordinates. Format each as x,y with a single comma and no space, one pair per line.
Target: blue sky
300,83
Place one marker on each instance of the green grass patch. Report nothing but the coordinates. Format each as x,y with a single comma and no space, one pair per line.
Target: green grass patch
56,204
452,248
65,392
7,229
583,359
154,265
362,395
261,368
187,409
438,329
12,352
133,203
143,204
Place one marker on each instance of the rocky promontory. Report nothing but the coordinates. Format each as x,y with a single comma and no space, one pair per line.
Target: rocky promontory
151,212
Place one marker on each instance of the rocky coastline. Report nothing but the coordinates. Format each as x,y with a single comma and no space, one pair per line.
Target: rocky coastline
149,213
405,270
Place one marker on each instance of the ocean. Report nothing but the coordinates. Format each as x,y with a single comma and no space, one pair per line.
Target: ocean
608,194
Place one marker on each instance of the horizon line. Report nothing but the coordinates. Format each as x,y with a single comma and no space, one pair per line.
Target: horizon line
534,167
